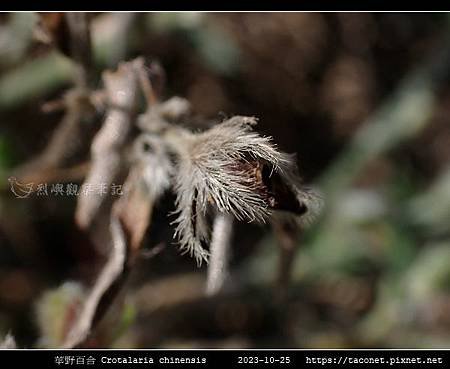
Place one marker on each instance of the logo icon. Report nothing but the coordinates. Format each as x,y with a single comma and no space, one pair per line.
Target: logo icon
21,190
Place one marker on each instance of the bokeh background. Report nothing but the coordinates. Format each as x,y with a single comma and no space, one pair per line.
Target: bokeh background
364,101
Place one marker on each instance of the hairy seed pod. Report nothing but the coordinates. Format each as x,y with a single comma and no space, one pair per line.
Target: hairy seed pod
239,172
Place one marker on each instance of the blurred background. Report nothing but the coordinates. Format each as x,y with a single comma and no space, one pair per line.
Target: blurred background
364,101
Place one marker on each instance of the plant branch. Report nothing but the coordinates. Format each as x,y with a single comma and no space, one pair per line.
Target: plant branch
287,234
67,137
110,273
81,49
122,95
219,253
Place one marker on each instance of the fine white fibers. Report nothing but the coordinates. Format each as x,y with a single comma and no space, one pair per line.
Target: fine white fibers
212,170
229,167
151,154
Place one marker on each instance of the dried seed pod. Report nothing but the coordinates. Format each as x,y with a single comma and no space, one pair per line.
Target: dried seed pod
236,170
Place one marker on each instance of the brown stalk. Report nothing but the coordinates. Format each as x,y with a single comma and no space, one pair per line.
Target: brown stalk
121,88
66,139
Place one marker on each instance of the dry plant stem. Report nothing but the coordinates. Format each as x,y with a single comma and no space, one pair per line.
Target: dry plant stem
130,214
66,138
146,86
110,274
122,94
219,253
287,235
60,147
81,48
130,217
58,175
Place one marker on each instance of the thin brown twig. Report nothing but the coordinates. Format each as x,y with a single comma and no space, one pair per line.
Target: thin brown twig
62,143
109,274
287,235
146,85
75,173
130,216
81,48
66,138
